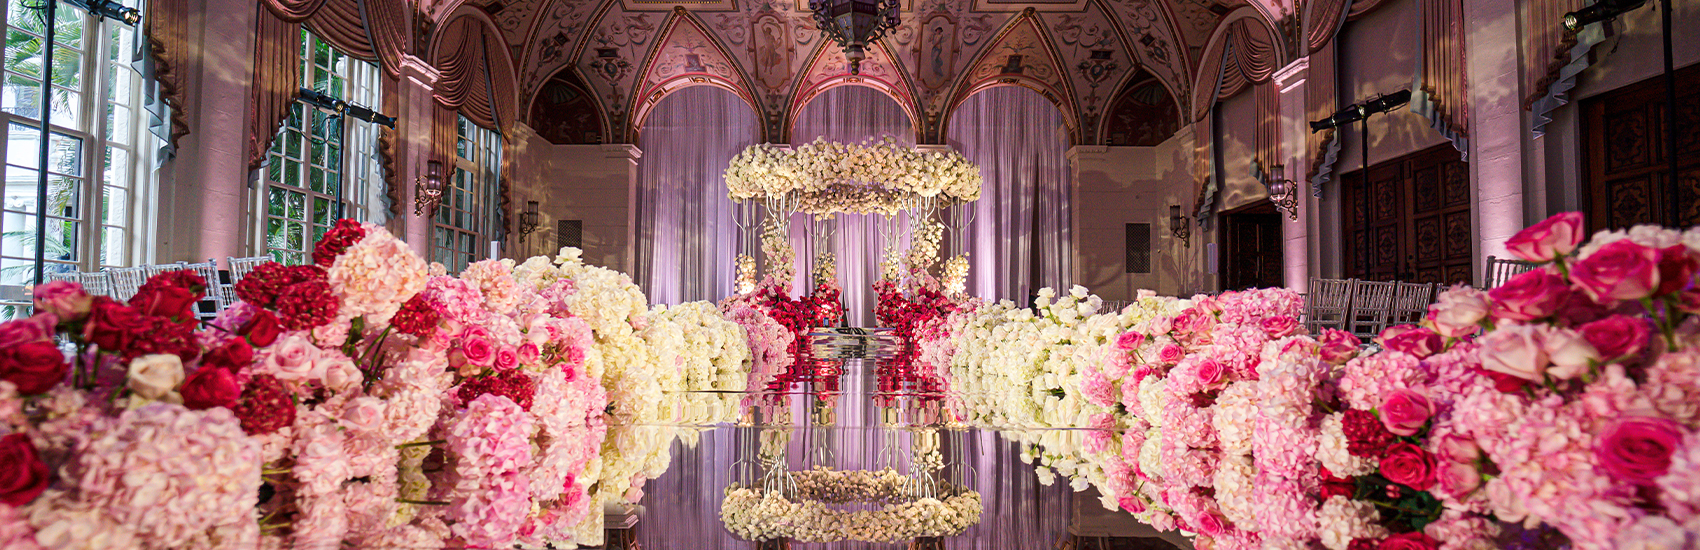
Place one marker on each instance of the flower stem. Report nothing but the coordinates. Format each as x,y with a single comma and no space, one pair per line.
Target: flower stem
421,443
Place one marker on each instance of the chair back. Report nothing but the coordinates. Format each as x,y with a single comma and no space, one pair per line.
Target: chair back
209,307
1372,304
240,267
1327,303
1500,270
98,283
126,281
1410,303
52,276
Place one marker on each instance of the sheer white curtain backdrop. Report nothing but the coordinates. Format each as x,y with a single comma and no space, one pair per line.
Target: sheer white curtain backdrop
686,238
1020,239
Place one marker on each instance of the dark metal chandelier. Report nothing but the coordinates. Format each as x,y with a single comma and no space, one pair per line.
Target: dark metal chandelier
854,24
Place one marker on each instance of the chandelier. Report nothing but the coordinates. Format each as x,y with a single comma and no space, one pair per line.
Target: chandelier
854,24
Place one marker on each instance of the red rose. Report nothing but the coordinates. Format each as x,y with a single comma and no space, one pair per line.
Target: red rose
1414,540
1364,544
36,328
234,355
1689,301
34,367
1421,342
1505,383
1638,449
1333,485
1616,336
1531,295
1621,270
1408,465
23,475
1676,269
262,330
1553,237
210,387
170,302
113,325
163,336
181,278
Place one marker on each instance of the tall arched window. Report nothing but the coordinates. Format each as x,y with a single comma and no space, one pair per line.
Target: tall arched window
469,218
308,167
100,159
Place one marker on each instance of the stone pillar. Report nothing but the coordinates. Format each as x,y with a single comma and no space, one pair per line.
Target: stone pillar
203,195
415,109
1296,244
1496,126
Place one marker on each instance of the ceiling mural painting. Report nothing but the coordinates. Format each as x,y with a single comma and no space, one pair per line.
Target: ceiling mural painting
1082,54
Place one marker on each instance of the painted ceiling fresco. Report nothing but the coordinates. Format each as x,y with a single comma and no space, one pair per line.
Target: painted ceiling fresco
590,70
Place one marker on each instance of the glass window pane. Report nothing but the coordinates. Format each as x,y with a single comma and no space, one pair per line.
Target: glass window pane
19,237
22,96
114,205
297,206
67,155
17,271
118,123
114,247
63,196
117,167
23,52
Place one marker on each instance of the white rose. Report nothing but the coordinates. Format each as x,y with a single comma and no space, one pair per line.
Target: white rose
154,376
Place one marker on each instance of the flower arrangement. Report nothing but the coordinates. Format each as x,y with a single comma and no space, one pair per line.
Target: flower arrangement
754,514
875,176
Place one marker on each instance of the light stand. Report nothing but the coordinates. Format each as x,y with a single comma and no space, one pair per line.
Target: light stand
101,9
339,109
1360,112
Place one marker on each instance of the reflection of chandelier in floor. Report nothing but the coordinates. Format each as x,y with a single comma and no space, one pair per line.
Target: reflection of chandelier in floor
768,501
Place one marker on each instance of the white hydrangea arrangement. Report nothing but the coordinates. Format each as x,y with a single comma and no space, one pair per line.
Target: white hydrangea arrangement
874,176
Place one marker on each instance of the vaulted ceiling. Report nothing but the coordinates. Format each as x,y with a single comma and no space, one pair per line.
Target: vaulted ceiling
588,71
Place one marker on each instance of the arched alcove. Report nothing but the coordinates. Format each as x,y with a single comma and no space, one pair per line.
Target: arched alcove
686,238
566,112
1020,239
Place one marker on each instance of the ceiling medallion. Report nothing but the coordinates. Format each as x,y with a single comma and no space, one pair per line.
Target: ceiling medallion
854,24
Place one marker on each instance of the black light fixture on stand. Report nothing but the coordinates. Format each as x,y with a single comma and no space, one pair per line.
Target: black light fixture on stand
1180,226
101,9
528,220
1360,112
339,109
1600,11
855,24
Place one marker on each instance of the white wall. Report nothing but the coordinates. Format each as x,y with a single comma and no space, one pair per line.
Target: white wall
1236,122
593,183
1379,54
1122,185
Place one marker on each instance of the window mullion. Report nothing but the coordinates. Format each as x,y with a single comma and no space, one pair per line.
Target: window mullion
93,185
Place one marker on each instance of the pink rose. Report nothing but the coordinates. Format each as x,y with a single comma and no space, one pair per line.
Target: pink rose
529,353
1210,374
1392,332
1129,340
1421,342
1570,353
1170,354
64,299
1515,350
1280,326
1689,300
1457,479
1617,336
1621,270
1405,412
1338,346
1637,449
1209,524
1414,540
1532,295
478,349
1676,269
291,358
1553,237
363,413
1133,505
507,357
339,373
36,328
1459,311
1458,448
1408,465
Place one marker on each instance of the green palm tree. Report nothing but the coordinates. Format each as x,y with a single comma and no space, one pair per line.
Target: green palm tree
23,51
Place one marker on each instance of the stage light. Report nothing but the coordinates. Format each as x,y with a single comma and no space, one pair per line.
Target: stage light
1600,11
1356,112
109,9
322,101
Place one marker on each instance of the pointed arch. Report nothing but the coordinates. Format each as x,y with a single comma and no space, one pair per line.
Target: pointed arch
830,69
687,54
1023,54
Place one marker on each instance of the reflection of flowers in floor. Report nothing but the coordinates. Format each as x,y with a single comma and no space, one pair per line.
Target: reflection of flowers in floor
755,514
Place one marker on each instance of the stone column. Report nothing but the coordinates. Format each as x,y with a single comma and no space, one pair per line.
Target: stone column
415,108
1496,126
1297,247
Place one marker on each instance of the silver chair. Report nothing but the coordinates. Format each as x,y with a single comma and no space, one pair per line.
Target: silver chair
98,283
1410,303
214,303
1500,270
126,281
1326,304
1372,304
240,267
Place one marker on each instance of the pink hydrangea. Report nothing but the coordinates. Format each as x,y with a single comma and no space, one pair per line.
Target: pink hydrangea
1367,379
492,516
491,437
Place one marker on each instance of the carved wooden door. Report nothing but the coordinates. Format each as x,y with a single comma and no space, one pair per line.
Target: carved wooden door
1627,166
1252,257
1411,222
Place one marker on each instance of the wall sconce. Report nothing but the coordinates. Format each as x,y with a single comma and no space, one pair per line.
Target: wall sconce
428,189
1180,226
1283,191
528,220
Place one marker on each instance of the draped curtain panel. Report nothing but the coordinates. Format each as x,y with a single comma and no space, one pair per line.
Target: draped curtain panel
686,234
1266,141
477,80
1321,100
277,78
850,114
1555,56
1020,238
168,45
1441,90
